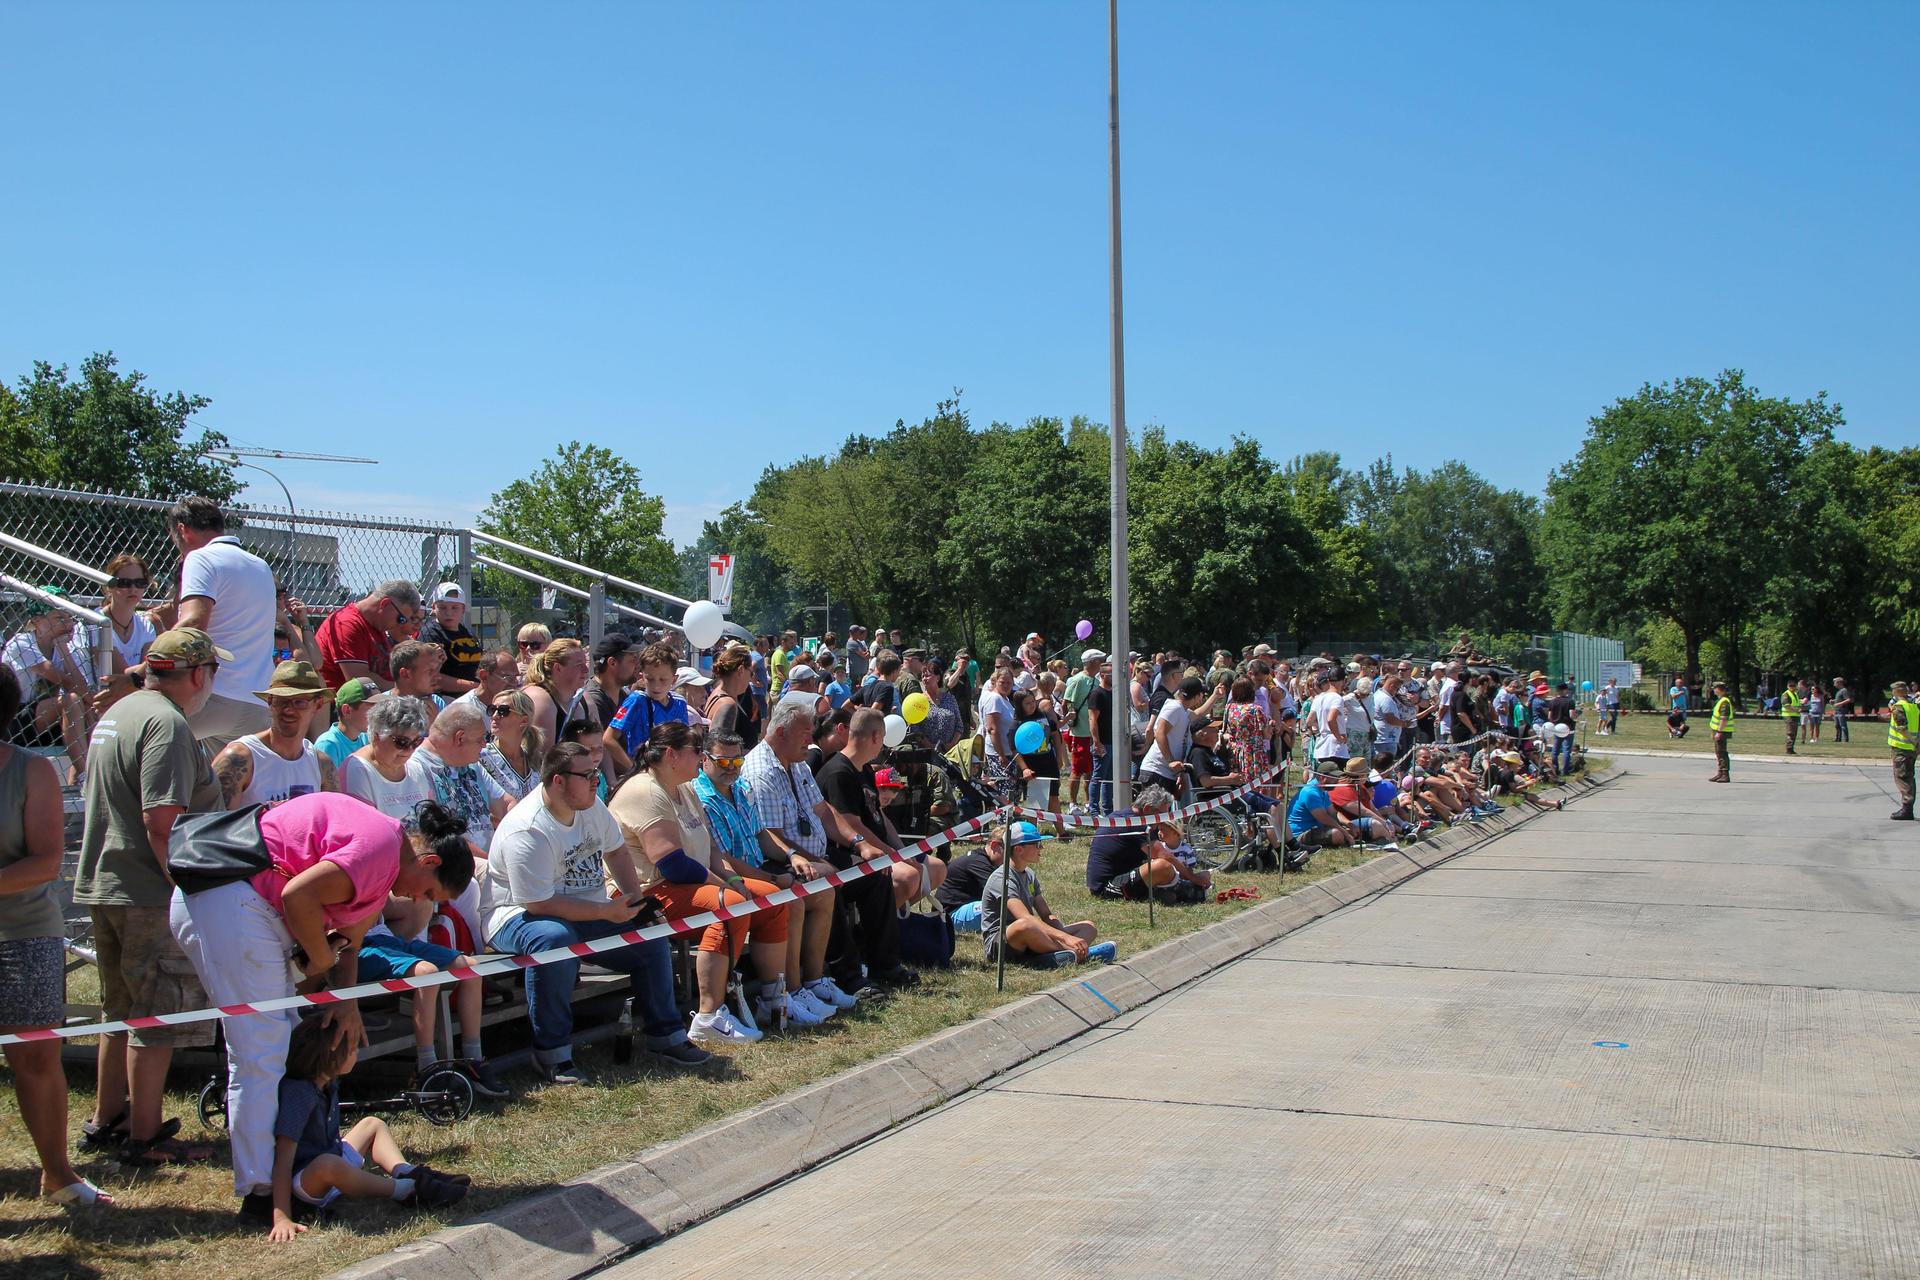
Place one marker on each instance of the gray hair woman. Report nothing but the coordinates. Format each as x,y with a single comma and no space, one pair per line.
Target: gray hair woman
377,773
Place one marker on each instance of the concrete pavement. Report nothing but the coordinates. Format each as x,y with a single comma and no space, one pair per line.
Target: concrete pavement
1672,1031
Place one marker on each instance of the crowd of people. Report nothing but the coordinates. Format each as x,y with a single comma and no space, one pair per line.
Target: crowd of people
412,801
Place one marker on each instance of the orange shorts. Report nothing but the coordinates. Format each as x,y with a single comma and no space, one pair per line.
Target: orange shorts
682,900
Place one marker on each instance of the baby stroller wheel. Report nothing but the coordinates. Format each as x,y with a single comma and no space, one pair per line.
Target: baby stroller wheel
213,1103
445,1096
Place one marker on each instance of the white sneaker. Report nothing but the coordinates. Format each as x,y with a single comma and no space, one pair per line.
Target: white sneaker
812,1003
804,1011
827,991
718,1028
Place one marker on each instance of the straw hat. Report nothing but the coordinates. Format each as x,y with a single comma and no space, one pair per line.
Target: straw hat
294,678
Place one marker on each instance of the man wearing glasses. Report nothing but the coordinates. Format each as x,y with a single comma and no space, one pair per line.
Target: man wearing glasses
546,882
355,641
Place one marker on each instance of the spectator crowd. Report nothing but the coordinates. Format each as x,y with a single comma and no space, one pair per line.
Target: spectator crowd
406,801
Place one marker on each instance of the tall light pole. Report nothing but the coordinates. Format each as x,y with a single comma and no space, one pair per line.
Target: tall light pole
234,455
1120,755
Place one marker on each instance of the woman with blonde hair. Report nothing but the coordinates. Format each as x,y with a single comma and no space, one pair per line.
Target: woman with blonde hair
529,641
513,757
556,685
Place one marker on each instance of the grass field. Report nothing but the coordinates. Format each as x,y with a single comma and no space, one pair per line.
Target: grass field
1644,732
180,1222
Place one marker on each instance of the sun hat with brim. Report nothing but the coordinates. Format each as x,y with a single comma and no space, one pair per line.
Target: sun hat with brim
1026,833
294,678
183,647
1356,768
354,692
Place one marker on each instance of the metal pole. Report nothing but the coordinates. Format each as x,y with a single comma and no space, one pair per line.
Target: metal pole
1006,891
464,541
1117,534
596,614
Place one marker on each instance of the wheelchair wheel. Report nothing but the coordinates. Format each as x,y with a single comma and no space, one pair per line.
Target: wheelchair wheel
213,1103
1215,837
444,1096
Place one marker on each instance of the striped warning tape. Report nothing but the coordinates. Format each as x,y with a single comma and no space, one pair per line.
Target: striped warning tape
1136,823
508,964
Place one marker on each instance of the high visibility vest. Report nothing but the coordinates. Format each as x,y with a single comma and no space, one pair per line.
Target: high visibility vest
1903,725
1789,703
1722,721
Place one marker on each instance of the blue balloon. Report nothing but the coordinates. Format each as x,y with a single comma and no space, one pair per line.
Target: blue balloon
1030,738
1586,686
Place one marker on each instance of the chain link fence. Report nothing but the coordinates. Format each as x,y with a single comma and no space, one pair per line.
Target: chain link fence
324,558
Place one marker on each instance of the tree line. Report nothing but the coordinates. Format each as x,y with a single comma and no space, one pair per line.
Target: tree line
1724,532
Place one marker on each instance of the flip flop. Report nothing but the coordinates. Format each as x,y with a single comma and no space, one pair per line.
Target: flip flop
79,1195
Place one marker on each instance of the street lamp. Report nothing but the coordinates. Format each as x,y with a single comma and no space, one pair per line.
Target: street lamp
235,456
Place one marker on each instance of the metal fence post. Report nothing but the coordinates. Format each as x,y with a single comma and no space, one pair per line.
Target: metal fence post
596,613
464,541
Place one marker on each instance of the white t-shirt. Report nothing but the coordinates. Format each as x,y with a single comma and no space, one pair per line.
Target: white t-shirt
1445,698
241,587
140,634
535,858
395,799
1327,715
23,654
1179,722
991,703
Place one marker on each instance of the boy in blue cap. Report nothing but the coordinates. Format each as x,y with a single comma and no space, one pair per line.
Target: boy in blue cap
1036,936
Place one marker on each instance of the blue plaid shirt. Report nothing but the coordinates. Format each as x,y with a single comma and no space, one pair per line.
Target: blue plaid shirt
733,819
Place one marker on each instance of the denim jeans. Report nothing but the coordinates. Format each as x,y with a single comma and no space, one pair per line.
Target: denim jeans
1100,795
550,987
1563,753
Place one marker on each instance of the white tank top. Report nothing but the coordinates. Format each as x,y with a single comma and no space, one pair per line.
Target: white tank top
276,778
132,650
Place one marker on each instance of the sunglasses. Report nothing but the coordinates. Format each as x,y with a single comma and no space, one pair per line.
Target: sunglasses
727,762
582,776
127,582
498,709
535,645
405,744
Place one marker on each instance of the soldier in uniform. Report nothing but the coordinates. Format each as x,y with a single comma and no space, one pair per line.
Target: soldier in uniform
1792,698
1722,728
1903,734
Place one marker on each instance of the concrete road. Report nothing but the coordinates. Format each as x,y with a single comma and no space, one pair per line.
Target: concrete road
1671,1032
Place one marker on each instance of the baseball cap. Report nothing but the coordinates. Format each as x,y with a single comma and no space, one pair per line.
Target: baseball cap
613,645
1093,655
1025,833
354,692
690,676
888,780
1263,651
184,647
36,606
802,672
449,591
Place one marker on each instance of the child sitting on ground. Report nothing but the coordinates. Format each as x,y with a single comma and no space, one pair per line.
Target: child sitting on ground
314,1165
1034,934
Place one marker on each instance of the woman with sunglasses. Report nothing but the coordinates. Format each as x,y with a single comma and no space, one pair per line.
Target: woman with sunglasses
665,826
513,757
377,773
530,640
130,630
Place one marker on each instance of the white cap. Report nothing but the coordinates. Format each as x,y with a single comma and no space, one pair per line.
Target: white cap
690,675
1093,655
1033,635
449,591
802,672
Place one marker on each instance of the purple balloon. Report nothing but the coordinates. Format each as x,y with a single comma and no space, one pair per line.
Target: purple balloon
1082,629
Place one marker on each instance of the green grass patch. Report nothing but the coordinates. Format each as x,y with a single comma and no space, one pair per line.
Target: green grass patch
1765,737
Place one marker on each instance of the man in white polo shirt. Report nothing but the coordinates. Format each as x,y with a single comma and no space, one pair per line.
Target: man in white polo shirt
227,592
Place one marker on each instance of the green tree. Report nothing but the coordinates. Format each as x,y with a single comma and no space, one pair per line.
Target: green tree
586,505
1672,507
108,430
1454,550
1343,593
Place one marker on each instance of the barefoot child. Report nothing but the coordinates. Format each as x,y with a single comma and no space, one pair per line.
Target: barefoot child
314,1165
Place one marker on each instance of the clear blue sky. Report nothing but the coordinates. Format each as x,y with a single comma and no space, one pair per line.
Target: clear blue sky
714,235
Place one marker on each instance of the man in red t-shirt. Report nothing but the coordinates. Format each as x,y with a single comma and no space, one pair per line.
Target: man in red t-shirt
1357,805
355,641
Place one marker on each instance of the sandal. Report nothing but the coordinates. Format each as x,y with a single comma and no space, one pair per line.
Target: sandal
79,1195
104,1137
162,1148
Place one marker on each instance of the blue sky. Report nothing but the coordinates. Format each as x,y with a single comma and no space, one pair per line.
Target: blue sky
716,235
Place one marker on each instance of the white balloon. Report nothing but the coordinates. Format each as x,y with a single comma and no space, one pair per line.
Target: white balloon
896,730
1563,731
703,624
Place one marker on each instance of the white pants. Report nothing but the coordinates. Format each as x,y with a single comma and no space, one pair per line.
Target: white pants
242,950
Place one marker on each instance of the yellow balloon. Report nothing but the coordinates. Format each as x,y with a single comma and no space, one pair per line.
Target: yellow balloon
915,707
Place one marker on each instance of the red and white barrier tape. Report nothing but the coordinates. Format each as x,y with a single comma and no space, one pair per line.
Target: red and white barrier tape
1139,823
507,964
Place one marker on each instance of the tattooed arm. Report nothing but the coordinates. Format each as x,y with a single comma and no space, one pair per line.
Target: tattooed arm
233,770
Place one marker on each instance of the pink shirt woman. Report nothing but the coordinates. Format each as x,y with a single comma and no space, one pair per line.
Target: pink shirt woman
328,826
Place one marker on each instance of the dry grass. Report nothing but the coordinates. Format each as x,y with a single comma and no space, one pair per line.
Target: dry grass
180,1222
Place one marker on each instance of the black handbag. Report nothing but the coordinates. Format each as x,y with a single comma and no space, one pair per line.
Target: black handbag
926,938
207,850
